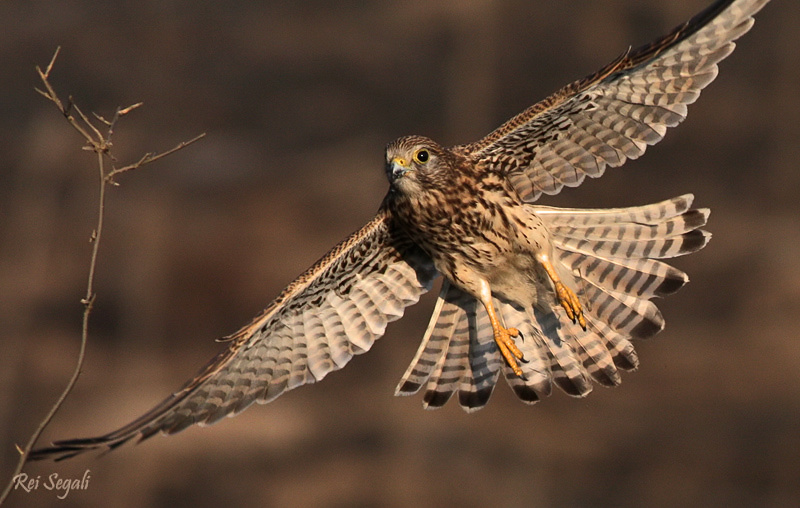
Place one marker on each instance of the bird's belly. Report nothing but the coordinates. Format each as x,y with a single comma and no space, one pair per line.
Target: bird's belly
515,273
501,249
516,277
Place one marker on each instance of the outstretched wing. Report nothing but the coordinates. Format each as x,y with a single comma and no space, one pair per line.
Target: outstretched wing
333,311
612,115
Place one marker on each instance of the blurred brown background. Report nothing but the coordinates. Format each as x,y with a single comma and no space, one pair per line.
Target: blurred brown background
298,102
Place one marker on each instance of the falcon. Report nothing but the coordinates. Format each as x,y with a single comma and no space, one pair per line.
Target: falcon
544,296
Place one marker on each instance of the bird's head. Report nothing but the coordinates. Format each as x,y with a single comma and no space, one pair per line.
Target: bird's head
417,163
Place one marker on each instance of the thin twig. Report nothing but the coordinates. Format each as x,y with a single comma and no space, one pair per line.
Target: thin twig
98,141
149,157
101,145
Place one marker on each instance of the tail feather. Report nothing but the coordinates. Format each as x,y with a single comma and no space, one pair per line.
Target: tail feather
656,248
645,214
618,346
643,277
595,357
433,346
672,226
485,364
453,361
558,344
537,380
626,314
448,371
621,275
458,353
614,257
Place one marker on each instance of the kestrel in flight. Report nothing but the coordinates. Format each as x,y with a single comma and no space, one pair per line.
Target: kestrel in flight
542,295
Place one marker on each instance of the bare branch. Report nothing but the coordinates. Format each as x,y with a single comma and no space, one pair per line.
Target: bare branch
119,113
125,111
149,157
98,140
52,62
101,145
100,118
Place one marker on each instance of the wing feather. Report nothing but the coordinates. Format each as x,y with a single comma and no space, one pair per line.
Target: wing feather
613,115
336,309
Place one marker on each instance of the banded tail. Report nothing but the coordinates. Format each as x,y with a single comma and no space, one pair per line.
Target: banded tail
613,256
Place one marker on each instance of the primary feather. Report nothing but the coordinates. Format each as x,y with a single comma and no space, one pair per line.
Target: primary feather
467,213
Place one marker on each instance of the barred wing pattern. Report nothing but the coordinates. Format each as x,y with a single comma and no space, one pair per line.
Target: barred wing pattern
611,257
614,257
335,310
612,115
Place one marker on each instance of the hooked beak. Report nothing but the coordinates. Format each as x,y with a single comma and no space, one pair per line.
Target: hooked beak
398,167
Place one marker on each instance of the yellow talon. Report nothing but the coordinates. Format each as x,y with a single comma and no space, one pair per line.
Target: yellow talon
511,353
566,296
504,337
569,300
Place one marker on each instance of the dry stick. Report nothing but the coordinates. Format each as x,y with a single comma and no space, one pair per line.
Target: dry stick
101,145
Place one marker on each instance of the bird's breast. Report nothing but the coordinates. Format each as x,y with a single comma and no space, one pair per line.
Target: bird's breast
489,233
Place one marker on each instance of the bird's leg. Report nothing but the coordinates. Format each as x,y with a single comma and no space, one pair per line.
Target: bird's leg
566,296
504,337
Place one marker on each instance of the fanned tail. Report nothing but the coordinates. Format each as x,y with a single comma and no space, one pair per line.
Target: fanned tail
457,353
614,258
615,254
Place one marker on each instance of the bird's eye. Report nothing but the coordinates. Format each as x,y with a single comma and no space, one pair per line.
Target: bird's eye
422,156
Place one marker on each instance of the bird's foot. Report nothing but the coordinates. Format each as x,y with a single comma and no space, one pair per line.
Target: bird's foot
569,300
504,337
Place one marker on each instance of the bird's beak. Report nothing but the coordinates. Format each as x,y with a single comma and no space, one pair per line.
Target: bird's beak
398,167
